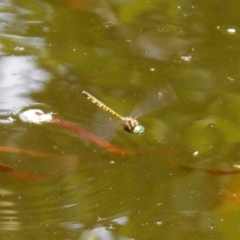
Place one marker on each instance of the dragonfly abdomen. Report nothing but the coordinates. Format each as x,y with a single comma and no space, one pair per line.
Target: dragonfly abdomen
101,105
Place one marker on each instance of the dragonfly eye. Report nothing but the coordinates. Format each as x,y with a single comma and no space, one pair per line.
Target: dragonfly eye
139,130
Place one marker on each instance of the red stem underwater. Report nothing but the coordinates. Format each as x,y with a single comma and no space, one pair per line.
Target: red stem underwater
91,137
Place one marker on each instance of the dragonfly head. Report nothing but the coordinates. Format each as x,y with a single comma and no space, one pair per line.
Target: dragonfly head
131,125
139,130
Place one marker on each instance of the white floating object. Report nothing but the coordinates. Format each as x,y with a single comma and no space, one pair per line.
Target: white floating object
35,116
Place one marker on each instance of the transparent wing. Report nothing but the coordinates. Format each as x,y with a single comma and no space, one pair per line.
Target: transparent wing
160,99
104,125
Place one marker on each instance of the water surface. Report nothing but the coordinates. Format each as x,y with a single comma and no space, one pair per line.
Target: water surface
180,180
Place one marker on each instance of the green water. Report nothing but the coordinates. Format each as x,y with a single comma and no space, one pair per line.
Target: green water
122,52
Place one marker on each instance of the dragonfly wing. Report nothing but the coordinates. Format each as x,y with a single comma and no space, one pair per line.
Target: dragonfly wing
104,125
166,96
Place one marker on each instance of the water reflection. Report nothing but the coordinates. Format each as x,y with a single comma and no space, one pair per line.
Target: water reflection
22,44
9,213
229,31
20,74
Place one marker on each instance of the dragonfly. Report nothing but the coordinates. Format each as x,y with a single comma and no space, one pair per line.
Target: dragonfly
130,123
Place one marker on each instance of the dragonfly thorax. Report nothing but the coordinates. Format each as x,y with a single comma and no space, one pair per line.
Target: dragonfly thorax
132,125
